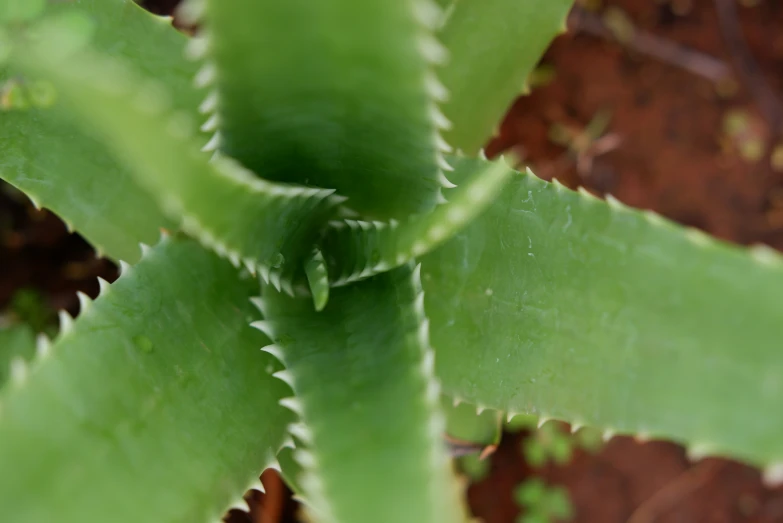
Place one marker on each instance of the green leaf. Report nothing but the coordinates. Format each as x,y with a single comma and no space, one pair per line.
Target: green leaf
270,226
154,405
69,171
17,346
559,304
361,374
334,94
356,249
15,11
493,46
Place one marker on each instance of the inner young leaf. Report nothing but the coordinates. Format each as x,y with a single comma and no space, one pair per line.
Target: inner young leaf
334,94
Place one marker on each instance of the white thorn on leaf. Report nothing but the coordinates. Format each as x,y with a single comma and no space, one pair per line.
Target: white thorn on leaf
614,202
435,88
696,236
443,164
441,144
439,198
432,50
439,119
258,303
286,376
66,322
289,443
209,104
698,451
433,391
773,475
541,421
292,404
265,327
250,265
212,144
427,13
206,75
642,436
43,346
424,333
274,279
654,218
305,458
263,271
428,363
211,124
35,202
125,268
765,254
103,286
196,47
18,369
302,432
238,504
584,192
274,350
84,302
445,182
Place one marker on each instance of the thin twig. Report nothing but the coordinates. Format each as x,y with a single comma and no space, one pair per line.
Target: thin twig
272,508
749,70
682,486
666,51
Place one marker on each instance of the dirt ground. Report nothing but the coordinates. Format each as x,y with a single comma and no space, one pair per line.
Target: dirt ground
693,112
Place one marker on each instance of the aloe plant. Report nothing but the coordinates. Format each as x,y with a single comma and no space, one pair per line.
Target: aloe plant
335,198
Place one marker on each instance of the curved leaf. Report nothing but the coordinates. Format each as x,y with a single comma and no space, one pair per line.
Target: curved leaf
493,46
355,250
559,304
334,94
68,171
154,405
269,226
361,374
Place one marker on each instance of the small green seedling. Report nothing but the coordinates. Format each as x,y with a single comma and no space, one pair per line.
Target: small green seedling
542,503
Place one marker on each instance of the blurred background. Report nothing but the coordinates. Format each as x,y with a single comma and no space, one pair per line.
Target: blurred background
670,105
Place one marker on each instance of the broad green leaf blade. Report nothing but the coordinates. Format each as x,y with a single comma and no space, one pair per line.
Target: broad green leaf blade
355,250
68,171
265,225
17,347
562,305
361,371
493,46
154,405
335,94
